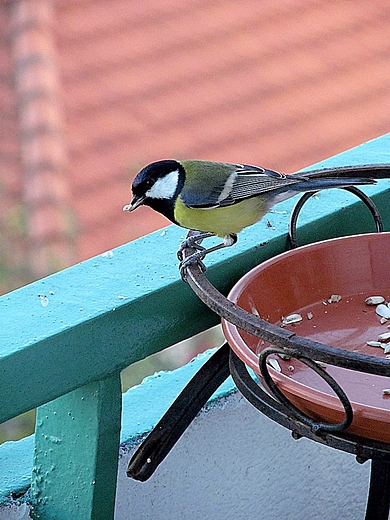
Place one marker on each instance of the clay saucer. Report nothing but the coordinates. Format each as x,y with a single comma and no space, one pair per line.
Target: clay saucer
326,283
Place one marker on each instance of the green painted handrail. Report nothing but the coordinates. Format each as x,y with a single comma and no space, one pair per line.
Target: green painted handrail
65,339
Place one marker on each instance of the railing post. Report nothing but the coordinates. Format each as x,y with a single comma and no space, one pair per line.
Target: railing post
76,453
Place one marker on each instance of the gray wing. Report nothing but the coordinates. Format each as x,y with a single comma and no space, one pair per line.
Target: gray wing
244,182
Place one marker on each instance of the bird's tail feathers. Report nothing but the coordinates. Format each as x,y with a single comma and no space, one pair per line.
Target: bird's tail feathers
365,171
329,182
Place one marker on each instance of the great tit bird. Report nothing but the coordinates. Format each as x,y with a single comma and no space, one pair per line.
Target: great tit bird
221,199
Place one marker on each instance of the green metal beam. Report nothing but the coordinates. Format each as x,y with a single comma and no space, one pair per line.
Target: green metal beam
102,315
76,453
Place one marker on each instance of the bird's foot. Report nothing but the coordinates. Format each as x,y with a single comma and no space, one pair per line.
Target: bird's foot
193,242
201,252
195,258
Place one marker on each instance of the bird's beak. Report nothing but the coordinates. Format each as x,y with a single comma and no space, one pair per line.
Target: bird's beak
137,201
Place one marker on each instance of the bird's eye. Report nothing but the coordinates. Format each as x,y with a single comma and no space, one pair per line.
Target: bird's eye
149,183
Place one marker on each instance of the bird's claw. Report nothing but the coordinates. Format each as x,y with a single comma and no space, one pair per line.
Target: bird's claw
193,243
185,245
195,258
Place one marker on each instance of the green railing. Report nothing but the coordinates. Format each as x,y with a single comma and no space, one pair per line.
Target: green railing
66,338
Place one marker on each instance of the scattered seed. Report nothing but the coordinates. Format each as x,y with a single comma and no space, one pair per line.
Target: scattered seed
375,344
285,357
384,337
383,311
374,300
335,298
383,321
309,315
274,364
291,319
291,368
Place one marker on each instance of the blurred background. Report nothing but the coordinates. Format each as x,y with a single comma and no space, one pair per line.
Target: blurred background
92,90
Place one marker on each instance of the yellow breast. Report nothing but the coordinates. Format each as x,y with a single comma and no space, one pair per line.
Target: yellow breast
220,221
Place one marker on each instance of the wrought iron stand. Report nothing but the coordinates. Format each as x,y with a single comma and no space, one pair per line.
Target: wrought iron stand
269,399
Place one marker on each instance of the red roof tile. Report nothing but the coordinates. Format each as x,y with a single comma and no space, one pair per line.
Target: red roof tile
279,83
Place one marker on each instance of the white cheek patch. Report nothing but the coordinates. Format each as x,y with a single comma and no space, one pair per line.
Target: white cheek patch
165,187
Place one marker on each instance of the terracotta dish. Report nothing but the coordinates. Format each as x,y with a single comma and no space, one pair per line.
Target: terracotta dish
302,281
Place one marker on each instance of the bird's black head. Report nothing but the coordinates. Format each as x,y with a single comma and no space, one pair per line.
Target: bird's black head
158,186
